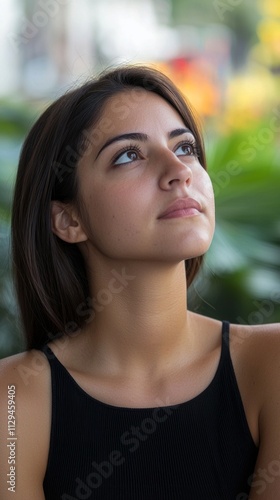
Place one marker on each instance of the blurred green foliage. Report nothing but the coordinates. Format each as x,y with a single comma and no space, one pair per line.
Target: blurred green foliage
240,280
240,18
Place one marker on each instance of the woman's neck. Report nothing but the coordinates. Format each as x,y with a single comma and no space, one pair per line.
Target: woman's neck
139,322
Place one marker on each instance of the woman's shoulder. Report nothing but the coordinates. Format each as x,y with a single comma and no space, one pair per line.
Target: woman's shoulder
259,343
25,420
30,362
29,374
28,371
256,355
255,350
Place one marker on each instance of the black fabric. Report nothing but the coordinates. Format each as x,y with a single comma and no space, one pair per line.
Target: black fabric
200,450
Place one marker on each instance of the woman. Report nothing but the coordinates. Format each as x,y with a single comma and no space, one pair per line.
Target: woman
123,393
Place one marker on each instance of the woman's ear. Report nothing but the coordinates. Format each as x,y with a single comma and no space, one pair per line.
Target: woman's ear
66,224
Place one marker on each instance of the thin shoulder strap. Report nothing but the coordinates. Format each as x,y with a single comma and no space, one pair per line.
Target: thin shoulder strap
48,353
225,334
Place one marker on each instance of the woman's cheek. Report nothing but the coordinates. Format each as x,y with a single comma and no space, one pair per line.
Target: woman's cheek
208,187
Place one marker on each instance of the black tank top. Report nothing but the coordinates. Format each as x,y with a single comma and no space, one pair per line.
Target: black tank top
201,449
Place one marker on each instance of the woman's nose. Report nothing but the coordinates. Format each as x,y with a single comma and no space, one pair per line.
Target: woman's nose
174,171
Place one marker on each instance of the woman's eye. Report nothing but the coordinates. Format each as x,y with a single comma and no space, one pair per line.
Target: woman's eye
185,149
126,157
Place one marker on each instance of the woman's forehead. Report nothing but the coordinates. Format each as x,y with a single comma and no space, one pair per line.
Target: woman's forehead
134,109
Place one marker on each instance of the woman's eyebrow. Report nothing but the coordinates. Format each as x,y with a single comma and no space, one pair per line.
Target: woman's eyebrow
139,136
179,131
136,136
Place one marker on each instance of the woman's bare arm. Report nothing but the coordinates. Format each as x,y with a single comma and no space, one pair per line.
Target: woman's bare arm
25,420
265,483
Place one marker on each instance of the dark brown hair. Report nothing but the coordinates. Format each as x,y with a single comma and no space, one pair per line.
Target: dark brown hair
50,275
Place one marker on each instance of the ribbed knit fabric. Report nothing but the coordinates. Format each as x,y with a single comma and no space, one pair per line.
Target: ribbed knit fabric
201,449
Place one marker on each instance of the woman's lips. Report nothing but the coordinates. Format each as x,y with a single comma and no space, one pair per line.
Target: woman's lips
186,207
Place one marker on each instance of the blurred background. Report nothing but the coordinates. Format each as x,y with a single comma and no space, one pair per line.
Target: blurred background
225,57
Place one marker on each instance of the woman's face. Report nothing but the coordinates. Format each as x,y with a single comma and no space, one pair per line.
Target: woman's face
146,196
